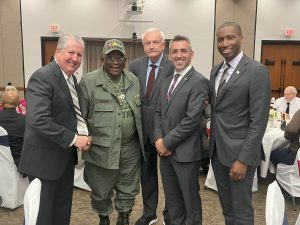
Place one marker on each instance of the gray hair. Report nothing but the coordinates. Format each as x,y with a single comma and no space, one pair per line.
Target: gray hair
180,38
152,30
292,89
10,88
63,40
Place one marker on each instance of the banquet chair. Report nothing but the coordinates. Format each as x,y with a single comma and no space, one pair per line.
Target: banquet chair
78,174
13,185
275,206
288,177
298,220
210,181
32,202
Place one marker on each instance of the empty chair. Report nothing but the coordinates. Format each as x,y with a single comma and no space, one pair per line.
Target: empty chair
78,174
32,202
13,185
275,206
289,179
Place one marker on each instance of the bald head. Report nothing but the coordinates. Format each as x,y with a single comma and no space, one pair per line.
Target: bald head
290,93
10,99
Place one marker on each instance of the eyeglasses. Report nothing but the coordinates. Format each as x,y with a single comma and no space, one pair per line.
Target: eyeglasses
117,60
148,43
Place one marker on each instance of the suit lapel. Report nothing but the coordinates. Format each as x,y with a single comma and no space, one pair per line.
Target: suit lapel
144,67
213,81
237,73
63,84
161,73
186,77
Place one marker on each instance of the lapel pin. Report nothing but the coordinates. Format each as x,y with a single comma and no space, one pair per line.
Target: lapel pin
238,72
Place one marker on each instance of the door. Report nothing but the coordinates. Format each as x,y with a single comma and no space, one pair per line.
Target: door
283,61
48,49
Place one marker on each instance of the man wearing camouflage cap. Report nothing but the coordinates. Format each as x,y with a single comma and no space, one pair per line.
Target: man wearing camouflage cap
111,106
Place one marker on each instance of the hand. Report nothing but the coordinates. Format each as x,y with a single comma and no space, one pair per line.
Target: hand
83,142
89,143
161,149
238,171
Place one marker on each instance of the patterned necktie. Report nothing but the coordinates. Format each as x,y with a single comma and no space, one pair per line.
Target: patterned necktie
171,89
287,110
81,124
150,82
223,78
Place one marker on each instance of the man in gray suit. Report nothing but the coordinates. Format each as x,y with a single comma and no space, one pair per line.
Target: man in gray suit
240,98
178,134
151,70
52,131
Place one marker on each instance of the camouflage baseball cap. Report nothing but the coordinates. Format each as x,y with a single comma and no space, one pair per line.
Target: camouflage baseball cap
112,45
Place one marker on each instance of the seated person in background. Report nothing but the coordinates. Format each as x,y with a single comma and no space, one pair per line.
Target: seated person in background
21,107
292,132
289,103
13,123
10,88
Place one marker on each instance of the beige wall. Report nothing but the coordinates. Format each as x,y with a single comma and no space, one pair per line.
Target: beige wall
244,13
11,61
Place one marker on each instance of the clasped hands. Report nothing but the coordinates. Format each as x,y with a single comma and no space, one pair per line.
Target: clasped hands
83,143
161,149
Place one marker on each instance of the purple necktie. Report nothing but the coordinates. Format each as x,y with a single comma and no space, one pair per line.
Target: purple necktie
176,76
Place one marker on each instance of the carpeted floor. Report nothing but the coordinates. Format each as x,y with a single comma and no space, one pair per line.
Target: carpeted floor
83,215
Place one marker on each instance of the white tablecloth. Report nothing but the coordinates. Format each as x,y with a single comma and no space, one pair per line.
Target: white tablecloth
273,139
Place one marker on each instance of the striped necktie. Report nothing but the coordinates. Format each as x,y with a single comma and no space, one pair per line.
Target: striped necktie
81,124
175,78
223,78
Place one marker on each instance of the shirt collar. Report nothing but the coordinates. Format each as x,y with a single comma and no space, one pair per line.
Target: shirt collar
235,61
65,75
157,63
184,71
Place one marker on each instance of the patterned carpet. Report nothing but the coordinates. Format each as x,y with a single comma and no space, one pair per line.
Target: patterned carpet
82,213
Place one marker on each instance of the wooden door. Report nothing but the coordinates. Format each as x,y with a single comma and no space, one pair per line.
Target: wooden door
283,61
48,46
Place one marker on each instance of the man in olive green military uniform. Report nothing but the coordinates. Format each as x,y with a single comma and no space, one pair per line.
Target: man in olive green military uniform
111,105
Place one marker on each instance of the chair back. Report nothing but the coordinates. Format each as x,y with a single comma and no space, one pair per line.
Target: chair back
32,202
13,184
4,146
288,176
275,206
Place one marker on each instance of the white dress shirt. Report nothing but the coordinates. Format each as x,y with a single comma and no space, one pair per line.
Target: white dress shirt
181,75
233,64
280,105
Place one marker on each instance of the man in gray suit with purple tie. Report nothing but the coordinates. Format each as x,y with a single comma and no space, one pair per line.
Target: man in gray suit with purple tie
240,98
177,132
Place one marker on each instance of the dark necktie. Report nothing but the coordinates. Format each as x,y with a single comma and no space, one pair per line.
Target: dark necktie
81,124
223,78
287,110
150,82
176,76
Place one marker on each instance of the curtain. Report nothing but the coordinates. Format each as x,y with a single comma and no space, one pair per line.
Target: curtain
93,52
